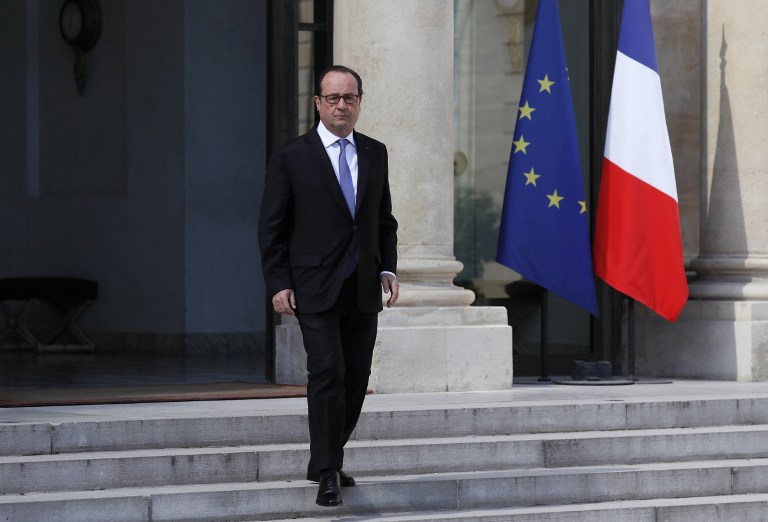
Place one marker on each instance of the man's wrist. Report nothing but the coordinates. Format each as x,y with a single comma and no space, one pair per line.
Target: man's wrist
387,272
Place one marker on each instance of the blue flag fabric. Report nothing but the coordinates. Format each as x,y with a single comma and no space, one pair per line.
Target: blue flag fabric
544,234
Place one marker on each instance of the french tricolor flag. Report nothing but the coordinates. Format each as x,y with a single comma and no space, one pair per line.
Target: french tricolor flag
638,248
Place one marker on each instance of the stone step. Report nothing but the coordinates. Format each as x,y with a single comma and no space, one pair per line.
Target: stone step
554,450
399,494
236,425
742,508
178,466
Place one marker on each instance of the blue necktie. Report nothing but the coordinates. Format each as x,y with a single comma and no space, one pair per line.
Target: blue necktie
345,180
345,177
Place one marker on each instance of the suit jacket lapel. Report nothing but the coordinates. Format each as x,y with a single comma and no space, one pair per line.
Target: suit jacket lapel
363,168
319,157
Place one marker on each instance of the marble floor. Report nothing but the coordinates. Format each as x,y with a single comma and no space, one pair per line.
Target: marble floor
21,369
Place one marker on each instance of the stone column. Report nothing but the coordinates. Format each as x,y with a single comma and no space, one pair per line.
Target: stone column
723,331
432,340
733,263
404,52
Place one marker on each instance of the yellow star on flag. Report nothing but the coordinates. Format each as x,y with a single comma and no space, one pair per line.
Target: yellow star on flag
531,177
525,111
554,199
521,144
583,205
545,84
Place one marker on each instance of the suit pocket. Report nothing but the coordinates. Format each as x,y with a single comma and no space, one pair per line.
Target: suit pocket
305,260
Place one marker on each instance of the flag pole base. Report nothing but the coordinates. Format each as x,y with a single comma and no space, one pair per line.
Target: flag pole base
598,373
596,382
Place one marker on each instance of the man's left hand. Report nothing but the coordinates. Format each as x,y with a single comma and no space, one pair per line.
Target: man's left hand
389,284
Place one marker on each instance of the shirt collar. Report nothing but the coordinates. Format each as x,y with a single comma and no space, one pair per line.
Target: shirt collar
328,138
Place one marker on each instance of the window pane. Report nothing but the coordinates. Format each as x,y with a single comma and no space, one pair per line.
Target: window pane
306,11
306,79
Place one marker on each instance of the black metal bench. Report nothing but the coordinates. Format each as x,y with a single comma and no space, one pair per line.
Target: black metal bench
70,297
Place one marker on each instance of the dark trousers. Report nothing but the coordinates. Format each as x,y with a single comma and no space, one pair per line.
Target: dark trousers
339,345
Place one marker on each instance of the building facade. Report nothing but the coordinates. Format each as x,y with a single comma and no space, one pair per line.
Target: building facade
149,181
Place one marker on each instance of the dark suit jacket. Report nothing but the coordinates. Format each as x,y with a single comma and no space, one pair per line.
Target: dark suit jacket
306,232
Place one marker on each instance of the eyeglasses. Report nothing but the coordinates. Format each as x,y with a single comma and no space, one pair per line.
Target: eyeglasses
334,99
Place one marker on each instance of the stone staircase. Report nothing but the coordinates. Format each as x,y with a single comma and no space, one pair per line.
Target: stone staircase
461,457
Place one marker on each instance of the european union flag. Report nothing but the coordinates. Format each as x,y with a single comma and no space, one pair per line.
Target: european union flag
544,234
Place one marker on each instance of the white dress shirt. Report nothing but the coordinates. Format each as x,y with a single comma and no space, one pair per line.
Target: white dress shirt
332,148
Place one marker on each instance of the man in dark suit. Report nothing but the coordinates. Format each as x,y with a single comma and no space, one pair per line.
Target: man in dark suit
328,246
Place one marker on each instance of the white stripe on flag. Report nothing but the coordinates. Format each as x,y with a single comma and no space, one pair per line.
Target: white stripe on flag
637,139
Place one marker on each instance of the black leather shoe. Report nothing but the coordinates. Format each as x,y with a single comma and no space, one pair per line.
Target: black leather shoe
346,481
329,492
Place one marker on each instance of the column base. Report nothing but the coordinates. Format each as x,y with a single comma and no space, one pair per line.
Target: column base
422,349
719,340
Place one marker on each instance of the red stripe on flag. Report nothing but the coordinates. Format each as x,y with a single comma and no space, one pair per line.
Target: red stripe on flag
638,249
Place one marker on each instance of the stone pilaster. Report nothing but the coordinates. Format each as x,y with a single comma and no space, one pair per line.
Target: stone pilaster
723,331
433,340
733,263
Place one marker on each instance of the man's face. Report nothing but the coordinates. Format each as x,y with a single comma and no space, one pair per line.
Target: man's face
340,119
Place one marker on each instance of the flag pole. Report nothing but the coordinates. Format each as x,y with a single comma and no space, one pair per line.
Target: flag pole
544,337
631,339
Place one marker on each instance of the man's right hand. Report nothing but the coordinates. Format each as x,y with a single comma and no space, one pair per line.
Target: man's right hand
284,302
